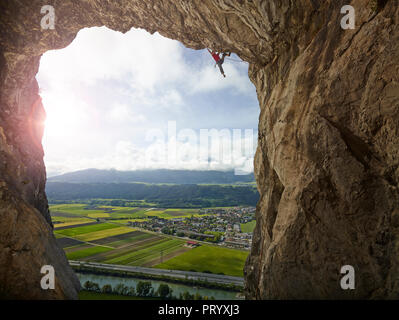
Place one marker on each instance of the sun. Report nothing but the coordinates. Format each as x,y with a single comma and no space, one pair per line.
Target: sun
65,117
60,120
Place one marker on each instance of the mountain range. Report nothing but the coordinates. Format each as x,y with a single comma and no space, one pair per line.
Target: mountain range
154,176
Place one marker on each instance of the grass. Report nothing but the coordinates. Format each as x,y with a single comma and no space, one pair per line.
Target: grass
139,250
73,232
147,252
71,223
98,215
133,239
209,259
135,246
69,219
114,212
91,236
125,221
78,209
248,227
66,221
76,255
133,215
172,213
94,232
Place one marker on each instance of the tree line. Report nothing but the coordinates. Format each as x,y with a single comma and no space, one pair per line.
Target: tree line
143,289
165,196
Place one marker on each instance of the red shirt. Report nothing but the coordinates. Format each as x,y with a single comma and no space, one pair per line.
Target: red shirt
215,56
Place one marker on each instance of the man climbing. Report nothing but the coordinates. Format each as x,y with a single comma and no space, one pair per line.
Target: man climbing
219,60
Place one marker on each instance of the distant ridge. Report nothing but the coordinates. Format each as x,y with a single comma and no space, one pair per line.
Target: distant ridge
154,176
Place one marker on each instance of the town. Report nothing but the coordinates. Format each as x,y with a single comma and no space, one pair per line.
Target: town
216,225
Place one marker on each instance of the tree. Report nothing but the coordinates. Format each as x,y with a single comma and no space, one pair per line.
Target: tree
92,286
165,230
187,296
131,292
125,291
197,296
121,289
164,291
95,287
107,288
88,285
143,288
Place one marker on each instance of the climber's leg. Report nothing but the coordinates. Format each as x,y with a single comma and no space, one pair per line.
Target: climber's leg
220,62
222,59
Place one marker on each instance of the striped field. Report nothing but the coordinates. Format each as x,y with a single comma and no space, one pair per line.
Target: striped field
115,244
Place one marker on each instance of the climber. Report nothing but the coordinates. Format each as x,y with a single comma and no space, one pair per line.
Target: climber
219,60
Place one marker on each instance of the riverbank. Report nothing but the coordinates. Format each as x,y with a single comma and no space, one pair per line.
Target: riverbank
177,288
90,295
100,269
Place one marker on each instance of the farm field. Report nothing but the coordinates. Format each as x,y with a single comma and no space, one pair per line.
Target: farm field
102,234
248,227
115,244
99,233
80,254
209,259
79,212
76,231
60,222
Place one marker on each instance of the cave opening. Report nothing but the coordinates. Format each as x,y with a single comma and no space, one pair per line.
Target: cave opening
107,91
125,102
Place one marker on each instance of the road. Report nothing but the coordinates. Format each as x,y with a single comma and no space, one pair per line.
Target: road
199,276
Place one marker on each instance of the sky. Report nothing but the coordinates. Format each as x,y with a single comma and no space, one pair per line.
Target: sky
140,101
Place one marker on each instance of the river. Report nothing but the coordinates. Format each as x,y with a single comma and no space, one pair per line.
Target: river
176,287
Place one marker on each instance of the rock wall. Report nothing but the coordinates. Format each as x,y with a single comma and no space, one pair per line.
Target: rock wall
327,163
327,157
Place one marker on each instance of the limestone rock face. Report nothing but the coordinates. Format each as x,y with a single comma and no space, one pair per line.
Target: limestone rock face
327,163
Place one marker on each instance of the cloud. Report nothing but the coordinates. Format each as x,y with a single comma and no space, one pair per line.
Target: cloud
122,113
209,79
171,97
145,61
224,150
106,88
100,53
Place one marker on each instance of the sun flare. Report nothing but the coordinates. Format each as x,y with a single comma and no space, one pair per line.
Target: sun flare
65,117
